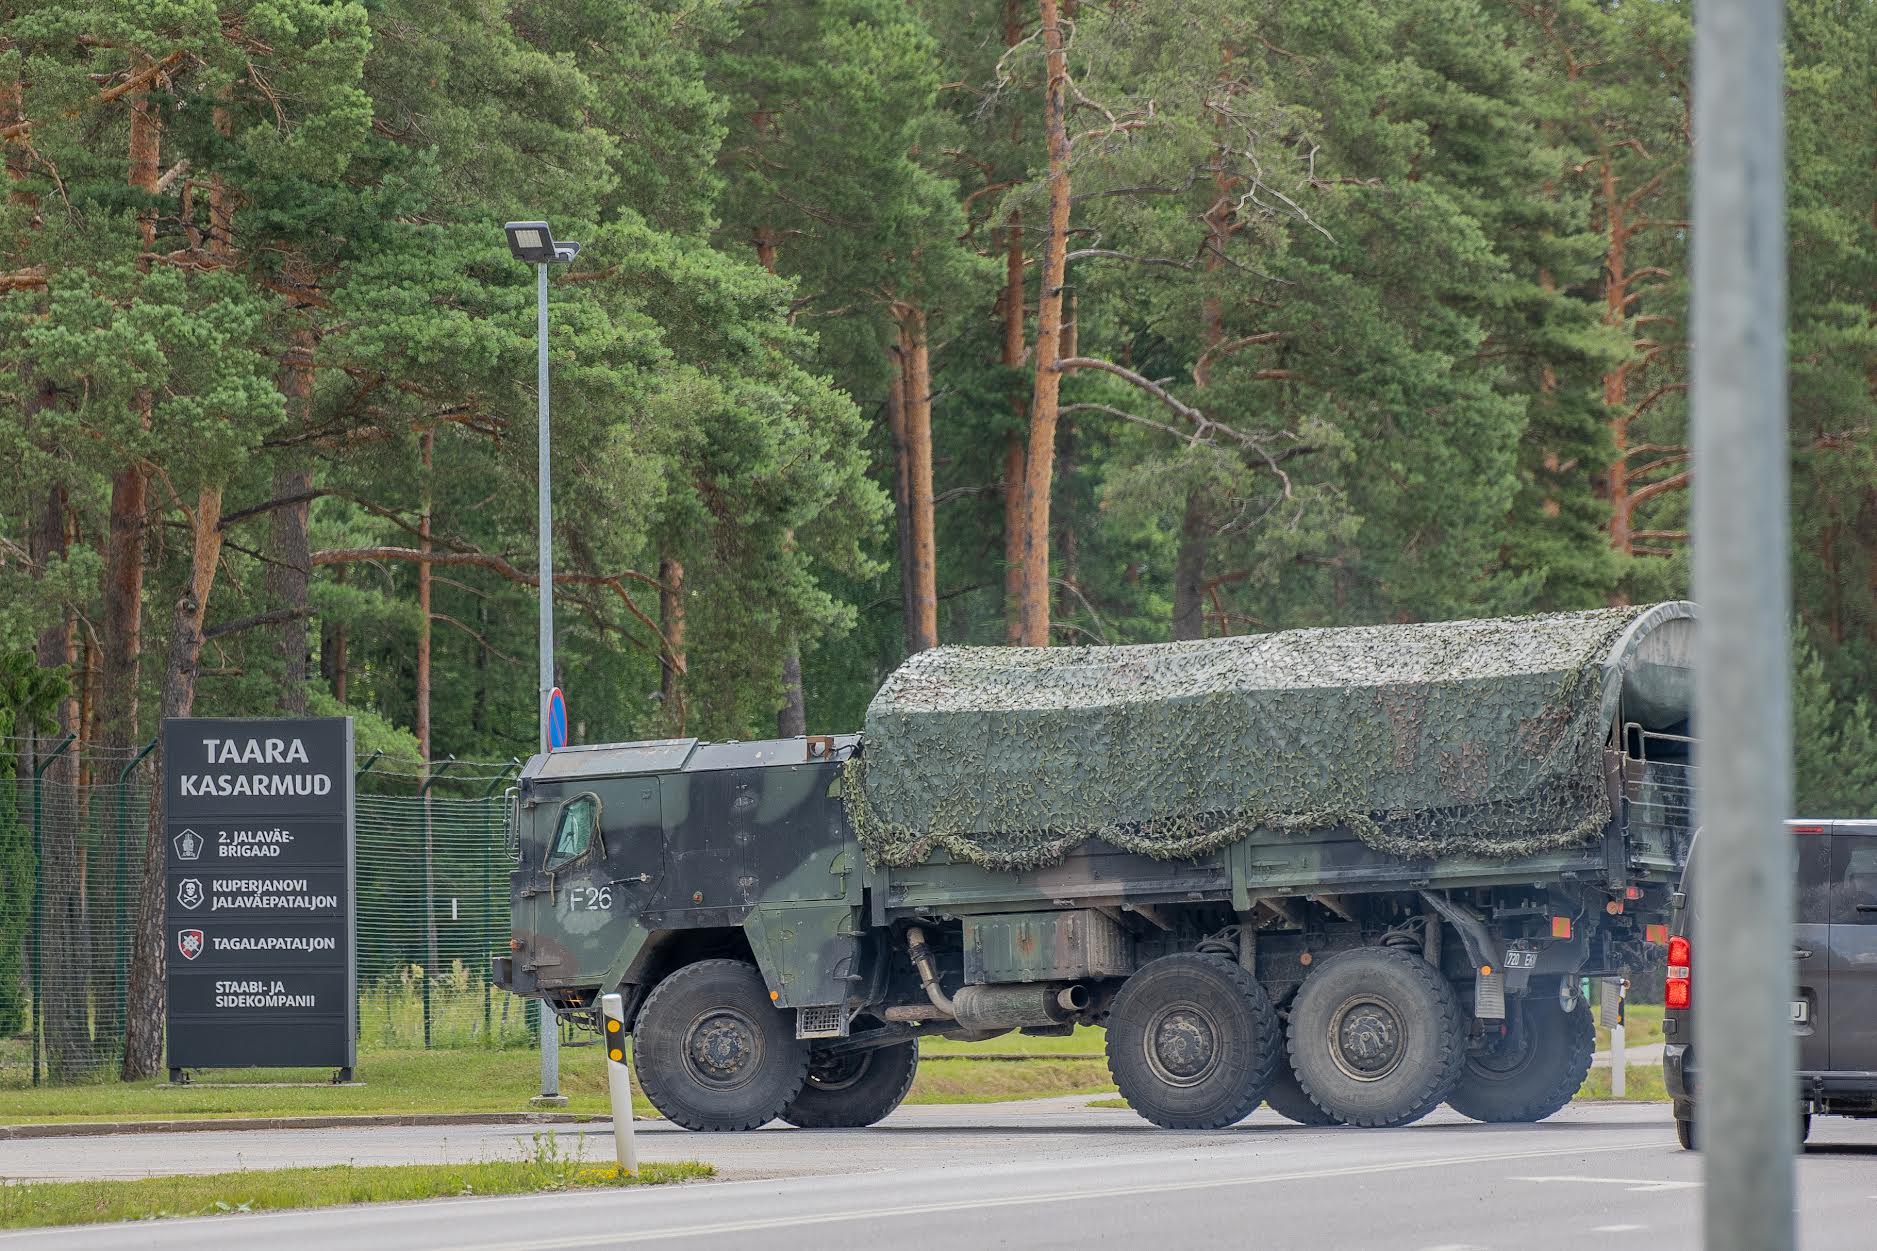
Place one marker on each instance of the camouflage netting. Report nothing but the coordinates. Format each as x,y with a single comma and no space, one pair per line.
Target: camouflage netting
1481,737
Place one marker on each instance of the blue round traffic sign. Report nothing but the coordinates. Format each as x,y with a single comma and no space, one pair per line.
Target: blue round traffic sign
556,720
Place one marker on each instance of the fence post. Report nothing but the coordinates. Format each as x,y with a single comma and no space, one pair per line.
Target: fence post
358,1006
123,876
430,892
39,906
488,894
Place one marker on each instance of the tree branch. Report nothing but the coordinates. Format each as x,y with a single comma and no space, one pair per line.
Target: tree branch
272,617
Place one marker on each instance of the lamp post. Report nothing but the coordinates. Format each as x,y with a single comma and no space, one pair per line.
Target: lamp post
534,243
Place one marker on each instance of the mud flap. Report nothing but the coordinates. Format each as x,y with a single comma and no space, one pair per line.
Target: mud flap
807,952
1489,996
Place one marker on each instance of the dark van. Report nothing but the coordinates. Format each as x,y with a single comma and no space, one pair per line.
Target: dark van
1834,998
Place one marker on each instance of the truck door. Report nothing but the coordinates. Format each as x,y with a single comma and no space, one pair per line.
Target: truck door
1853,1021
1811,947
604,851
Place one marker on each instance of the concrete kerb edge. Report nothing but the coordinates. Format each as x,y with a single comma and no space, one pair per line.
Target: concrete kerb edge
86,1129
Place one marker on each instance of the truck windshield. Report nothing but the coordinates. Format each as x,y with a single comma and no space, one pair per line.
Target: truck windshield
573,835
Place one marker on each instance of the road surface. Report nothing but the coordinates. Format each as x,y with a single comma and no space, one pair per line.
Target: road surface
1052,1173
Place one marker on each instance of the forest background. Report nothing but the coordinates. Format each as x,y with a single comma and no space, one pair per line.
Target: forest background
956,321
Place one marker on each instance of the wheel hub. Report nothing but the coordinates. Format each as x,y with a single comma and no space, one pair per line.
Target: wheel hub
838,1072
1182,1045
724,1049
1366,1039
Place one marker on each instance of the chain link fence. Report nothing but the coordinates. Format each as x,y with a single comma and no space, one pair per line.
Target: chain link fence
431,895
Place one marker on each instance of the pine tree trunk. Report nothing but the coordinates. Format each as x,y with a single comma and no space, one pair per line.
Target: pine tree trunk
1040,461
425,748
60,933
123,597
143,1035
922,609
1189,570
1016,508
902,488
671,622
792,721
1616,381
289,577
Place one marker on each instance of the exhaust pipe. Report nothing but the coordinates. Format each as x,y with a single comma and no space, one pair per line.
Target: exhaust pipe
985,1008
921,956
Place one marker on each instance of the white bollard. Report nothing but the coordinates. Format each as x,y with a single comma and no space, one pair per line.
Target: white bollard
619,1082
1619,1082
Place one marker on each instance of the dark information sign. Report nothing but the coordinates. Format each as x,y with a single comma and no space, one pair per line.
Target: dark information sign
261,931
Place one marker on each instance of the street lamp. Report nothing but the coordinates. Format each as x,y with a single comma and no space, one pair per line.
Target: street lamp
534,243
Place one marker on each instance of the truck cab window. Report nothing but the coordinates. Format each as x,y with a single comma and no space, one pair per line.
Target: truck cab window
577,830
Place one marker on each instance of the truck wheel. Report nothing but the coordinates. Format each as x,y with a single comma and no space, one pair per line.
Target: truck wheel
1376,1037
855,1089
1529,1074
712,1051
1288,1100
1193,1042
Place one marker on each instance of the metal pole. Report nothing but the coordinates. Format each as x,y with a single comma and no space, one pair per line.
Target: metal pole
358,1014
431,961
550,1032
39,906
488,894
1746,1119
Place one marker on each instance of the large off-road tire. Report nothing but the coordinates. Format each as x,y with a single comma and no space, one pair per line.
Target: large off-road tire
1535,1068
855,1089
1376,1037
1193,1042
1288,1100
713,1052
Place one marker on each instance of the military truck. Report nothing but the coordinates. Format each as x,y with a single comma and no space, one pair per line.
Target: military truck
1351,872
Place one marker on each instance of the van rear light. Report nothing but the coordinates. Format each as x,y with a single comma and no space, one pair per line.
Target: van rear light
1678,992
1807,829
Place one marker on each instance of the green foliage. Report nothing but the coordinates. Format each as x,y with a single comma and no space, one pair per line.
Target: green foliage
1834,741
1370,247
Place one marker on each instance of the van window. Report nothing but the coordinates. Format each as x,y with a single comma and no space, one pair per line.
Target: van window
1811,905
575,833
1854,879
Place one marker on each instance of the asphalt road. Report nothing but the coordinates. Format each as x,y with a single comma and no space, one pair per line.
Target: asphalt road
1050,1174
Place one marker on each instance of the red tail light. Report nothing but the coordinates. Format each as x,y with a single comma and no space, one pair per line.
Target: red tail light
1679,990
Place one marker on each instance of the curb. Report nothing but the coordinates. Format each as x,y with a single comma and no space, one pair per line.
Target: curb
87,1129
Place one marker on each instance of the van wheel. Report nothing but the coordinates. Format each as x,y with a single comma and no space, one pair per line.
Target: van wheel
1685,1133
1376,1037
712,1051
1534,1068
1193,1042
854,1088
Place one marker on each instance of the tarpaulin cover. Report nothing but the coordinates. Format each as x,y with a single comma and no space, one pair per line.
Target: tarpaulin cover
1483,737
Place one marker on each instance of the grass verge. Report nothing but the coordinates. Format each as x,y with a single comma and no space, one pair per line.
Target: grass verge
1642,1082
991,1081
394,1081
401,1081
1642,1025
25,1205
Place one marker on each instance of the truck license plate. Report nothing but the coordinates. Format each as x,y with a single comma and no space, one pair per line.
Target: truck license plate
1801,1012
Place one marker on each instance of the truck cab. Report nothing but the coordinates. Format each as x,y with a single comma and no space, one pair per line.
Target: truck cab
1834,998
